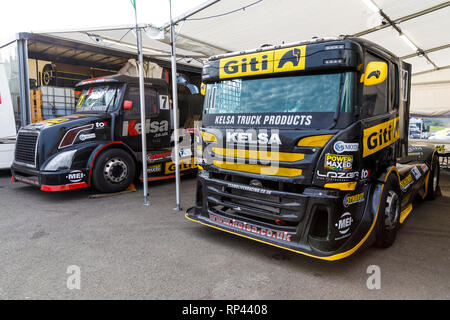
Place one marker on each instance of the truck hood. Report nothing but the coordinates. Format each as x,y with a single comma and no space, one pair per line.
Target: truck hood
61,134
66,122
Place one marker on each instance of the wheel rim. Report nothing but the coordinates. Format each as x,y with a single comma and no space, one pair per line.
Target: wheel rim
115,170
392,211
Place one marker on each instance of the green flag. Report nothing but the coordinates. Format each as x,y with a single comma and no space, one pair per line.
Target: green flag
133,3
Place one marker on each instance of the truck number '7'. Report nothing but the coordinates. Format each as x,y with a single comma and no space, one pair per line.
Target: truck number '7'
164,102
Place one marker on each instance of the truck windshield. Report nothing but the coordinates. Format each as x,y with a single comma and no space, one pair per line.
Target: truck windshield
294,94
98,98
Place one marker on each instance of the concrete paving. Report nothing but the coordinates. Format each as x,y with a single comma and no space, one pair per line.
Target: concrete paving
125,250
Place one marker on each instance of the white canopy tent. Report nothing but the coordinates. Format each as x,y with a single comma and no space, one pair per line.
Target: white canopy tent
416,30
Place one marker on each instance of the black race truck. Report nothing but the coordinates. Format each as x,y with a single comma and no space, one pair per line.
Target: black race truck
304,146
100,144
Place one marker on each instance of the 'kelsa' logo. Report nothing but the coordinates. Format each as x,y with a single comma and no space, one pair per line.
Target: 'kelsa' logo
134,128
380,136
281,60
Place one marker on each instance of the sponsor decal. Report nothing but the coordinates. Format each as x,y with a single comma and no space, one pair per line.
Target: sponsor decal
249,188
340,147
274,61
267,233
258,120
134,128
75,176
380,136
253,138
405,183
338,175
154,168
185,164
185,153
344,224
158,156
416,173
56,120
355,198
338,162
87,136
424,167
101,125
365,174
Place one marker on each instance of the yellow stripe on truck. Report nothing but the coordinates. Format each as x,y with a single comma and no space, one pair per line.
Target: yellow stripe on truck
315,141
259,155
259,169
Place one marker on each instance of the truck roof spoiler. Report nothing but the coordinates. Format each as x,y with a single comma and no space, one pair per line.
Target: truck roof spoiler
272,47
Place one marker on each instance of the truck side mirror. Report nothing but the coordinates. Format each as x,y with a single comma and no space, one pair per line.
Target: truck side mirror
202,89
376,72
128,105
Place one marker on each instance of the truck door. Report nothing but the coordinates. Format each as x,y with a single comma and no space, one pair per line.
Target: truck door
380,117
131,123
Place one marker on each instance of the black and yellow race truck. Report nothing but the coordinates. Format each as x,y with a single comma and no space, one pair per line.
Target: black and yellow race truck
100,144
304,146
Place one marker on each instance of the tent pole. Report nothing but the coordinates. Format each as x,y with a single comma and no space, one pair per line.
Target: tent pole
142,103
175,110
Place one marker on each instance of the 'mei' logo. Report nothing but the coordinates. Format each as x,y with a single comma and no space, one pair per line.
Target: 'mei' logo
380,136
281,60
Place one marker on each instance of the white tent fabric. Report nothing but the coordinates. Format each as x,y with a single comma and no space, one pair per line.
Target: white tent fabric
424,22
220,26
151,70
123,38
431,100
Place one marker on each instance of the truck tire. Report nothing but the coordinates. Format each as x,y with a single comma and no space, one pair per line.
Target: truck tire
433,180
114,170
388,213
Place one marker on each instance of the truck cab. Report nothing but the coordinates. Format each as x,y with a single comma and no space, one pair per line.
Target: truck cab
100,144
299,143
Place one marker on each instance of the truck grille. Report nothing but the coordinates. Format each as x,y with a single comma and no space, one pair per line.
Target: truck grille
26,145
230,199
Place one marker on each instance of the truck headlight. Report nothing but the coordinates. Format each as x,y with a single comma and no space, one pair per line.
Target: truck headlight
62,160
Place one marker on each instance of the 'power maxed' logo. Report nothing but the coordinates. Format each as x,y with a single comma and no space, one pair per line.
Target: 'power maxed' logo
281,60
380,136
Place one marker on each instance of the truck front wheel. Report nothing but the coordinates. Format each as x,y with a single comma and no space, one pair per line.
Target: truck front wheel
433,180
113,171
388,213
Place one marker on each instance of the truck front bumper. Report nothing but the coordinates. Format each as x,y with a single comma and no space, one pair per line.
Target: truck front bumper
61,180
316,222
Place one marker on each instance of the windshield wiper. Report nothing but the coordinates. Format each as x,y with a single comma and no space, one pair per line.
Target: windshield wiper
113,100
